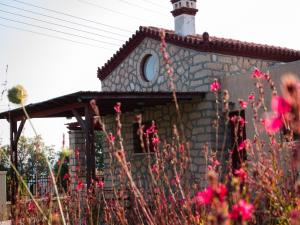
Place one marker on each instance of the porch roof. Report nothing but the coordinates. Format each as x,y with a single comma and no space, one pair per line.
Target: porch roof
62,106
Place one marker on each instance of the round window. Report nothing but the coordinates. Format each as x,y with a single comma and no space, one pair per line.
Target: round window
149,67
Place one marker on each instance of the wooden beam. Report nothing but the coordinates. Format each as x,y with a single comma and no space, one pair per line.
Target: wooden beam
80,120
49,112
19,132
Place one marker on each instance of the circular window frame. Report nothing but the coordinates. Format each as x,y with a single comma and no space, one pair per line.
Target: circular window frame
140,68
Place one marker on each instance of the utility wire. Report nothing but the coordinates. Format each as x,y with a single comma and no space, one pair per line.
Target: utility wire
58,31
52,17
56,24
66,14
154,3
141,7
111,10
53,36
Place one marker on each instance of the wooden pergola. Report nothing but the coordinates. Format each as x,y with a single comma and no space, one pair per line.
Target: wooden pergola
78,105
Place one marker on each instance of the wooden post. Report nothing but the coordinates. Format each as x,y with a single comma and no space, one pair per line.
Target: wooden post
13,157
90,141
88,128
15,133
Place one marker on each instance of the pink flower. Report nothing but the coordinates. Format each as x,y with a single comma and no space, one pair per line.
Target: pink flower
242,121
205,197
181,148
154,169
209,167
243,104
251,96
241,173
215,86
111,138
242,145
152,129
67,176
233,119
155,140
280,105
117,107
100,184
216,163
31,207
273,124
241,210
257,73
222,191
79,186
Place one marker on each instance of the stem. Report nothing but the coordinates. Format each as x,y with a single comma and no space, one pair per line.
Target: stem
50,170
26,187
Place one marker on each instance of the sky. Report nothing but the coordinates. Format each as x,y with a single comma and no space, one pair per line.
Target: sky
53,47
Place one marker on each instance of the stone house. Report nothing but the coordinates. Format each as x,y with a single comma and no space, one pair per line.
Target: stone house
136,76
197,60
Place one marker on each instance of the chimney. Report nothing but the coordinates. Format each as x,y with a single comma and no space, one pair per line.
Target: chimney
184,12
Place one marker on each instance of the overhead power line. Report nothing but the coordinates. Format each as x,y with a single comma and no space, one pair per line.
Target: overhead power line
111,10
69,15
53,36
63,20
154,3
140,7
57,31
56,24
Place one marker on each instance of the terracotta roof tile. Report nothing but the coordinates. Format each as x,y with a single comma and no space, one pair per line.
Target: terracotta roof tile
203,43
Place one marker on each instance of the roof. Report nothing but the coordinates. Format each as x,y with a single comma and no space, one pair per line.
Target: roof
62,106
203,43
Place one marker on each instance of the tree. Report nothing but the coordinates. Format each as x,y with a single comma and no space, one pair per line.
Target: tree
31,157
4,153
99,139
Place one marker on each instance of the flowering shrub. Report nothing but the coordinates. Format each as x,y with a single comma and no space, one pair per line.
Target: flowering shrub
263,189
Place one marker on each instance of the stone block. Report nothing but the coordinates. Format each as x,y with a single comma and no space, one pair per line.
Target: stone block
225,59
196,68
214,66
201,58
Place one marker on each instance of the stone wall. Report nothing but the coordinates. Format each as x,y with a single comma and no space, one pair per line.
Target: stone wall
197,118
244,85
194,70
77,144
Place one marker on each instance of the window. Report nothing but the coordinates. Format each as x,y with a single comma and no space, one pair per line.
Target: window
187,4
148,128
149,67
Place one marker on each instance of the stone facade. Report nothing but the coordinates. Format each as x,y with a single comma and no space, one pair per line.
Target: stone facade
194,70
77,143
197,119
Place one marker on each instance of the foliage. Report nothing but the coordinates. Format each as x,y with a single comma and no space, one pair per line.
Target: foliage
31,160
262,188
99,147
61,169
